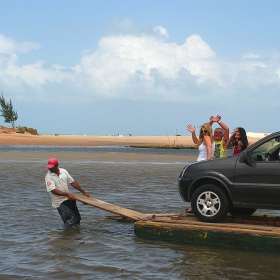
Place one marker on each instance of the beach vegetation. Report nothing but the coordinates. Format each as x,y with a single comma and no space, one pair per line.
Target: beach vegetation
20,130
7,111
32,131
24,129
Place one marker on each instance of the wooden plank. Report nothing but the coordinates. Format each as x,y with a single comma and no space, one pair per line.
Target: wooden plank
124,212
150,216
191,221
211,227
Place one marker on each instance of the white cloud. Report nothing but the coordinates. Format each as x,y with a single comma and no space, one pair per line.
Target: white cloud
9,46
126,61
162,31
140,67
251,55
278,74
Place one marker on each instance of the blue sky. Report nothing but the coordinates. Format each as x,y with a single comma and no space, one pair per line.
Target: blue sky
140,67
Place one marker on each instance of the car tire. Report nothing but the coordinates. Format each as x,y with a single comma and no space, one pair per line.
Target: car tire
210,203
238,211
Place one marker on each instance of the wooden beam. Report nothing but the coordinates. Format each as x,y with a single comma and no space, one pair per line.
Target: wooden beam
124,212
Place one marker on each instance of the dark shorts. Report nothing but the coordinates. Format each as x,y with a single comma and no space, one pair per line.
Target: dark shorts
69,212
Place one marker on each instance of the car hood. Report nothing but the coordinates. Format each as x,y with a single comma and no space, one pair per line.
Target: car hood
220,165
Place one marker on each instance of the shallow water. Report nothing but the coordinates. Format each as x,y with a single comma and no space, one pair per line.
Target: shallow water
96,149
34,243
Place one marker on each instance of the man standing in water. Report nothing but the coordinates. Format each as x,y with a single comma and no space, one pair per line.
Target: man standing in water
57,180
221,136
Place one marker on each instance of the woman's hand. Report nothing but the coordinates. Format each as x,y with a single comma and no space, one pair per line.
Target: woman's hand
191,128
232,136
240,144
229,143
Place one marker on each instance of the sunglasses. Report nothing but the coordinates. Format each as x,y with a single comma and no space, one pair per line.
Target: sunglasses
203,131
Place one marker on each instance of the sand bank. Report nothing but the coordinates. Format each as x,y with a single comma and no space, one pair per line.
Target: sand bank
79,140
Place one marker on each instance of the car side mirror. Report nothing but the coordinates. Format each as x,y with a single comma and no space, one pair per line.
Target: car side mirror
246,158
279,154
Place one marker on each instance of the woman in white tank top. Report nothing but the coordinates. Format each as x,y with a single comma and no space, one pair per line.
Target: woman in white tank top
205,142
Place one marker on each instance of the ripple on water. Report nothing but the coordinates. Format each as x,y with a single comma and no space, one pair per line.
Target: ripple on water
35,244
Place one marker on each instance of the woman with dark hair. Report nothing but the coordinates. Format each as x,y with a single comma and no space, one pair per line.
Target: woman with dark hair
238,141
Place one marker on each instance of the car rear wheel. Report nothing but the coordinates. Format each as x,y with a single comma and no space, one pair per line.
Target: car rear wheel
210,203
238,211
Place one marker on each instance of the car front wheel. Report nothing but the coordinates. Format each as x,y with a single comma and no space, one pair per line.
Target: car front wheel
210,203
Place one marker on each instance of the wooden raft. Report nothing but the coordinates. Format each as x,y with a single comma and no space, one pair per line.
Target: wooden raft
225,234
259,232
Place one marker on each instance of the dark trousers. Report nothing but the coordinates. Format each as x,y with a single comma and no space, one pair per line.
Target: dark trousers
69,212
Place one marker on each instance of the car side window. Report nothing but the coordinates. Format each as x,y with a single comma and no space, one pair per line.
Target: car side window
268,151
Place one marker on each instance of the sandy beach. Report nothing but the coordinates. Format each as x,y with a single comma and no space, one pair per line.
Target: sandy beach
81,140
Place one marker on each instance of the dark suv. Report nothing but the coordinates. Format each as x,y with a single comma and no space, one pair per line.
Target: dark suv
236,184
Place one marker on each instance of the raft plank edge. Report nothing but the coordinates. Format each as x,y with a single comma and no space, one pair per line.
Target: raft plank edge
239,239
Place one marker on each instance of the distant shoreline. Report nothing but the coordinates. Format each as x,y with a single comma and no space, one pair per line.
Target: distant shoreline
78,140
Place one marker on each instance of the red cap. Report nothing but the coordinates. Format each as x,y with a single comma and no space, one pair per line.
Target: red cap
52,162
